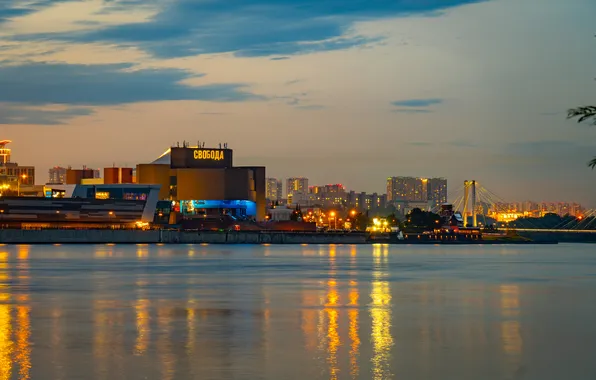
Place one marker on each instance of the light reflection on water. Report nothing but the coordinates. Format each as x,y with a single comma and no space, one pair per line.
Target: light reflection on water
296,312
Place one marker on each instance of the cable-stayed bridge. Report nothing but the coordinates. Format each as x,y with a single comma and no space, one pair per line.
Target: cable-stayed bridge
481,207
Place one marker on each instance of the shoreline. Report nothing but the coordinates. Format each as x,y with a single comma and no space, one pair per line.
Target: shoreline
240,237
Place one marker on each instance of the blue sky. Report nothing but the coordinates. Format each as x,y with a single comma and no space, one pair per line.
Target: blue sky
338,91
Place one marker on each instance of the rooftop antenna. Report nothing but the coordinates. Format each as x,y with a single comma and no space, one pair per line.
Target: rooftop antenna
203,145
178,144
219,145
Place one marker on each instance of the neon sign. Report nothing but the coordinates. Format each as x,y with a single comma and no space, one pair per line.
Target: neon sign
205,154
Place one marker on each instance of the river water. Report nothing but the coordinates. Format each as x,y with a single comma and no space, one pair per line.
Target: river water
297,312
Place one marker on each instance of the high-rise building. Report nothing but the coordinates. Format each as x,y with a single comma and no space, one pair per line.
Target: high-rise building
416,189
273,190
296,185
437,191
57,175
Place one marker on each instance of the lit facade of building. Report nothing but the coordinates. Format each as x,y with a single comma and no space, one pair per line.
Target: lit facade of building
203,183
57,175
505,210
13,176
437,191
82,206
296,185
274,190
416,189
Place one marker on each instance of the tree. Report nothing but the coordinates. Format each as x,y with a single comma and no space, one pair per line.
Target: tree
422,220
392,220
586,113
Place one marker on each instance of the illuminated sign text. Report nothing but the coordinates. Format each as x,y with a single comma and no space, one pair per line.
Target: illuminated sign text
203,154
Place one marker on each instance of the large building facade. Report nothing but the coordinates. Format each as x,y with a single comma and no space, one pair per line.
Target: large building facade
82,206
202,182
416,189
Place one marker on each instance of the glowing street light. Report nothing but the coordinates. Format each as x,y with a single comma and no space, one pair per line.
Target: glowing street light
332,216
24,177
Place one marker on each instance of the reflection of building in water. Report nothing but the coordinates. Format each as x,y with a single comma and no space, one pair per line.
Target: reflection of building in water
101,336
164,346
6,344
353,316
23,331
309,319
331,311
353,329
380,312
56,343
510,327
333,340
143,319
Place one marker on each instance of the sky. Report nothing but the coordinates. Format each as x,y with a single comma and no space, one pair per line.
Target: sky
350,91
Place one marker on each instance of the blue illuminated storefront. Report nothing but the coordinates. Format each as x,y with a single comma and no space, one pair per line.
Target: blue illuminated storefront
236,208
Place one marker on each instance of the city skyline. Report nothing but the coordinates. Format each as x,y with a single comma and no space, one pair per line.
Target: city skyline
386,88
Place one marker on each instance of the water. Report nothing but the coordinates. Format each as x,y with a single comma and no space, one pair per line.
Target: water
297,312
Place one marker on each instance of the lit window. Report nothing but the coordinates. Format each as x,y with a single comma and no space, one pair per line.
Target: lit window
102,195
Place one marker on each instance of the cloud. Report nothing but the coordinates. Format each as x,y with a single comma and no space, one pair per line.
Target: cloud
264,28
10,114
420,143
417,102
10,9
279,58
54,83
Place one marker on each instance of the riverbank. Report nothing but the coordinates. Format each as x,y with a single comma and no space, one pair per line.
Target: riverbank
48,236
176,237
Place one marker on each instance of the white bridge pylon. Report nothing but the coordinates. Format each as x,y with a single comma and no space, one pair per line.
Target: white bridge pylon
470,192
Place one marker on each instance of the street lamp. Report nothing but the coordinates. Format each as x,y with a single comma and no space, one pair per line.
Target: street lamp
332,215
24,177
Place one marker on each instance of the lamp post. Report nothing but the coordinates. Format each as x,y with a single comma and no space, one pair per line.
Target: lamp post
332,215
24,177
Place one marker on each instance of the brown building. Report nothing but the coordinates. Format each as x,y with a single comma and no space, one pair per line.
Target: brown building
203,182
74,176
117,175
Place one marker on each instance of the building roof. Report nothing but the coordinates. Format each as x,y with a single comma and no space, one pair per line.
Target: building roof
165,158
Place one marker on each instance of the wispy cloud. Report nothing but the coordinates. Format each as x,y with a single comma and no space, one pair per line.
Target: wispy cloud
38,83
417,102
259,28
21,115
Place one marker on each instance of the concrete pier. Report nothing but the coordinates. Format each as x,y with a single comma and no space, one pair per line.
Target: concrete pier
175,237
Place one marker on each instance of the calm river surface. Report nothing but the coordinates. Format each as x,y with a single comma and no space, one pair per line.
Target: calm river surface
297,312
